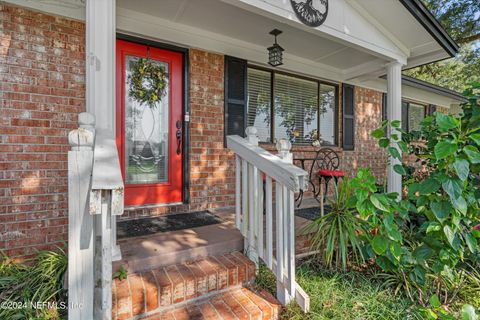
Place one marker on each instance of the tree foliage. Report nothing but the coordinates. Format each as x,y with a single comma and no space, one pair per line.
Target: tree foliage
461,19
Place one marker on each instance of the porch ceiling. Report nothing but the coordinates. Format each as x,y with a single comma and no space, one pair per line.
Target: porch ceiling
358,38
215,16
354,44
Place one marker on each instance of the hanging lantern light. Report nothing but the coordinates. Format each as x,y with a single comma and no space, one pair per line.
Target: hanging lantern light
275,52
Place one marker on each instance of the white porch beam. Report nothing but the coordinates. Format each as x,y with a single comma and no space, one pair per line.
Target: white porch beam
394,112
100,68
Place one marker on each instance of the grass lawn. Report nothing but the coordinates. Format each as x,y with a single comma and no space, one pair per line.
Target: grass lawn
345,296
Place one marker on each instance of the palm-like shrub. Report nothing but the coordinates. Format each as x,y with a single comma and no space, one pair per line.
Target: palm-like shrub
337,236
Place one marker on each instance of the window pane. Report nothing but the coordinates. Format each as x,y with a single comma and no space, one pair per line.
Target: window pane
146,135
296,109
416,113
327,113
259,106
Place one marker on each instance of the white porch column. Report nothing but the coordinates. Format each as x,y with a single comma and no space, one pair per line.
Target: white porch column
394,112
100,67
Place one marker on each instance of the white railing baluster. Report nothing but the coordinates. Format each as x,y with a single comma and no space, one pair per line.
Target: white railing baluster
291,241
279,243
254,185
269,223
285,228
238,206
251,213
261,246
256,169
245,200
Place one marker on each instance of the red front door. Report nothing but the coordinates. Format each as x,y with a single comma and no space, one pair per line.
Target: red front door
149,138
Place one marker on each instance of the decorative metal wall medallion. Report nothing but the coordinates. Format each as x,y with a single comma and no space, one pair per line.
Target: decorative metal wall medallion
311,12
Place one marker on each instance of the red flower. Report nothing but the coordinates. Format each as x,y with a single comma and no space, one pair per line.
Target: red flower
477,227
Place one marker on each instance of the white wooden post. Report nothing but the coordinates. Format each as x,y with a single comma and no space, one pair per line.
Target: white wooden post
103,265
252,137
106,202
394,112
81,241
283,147
100,57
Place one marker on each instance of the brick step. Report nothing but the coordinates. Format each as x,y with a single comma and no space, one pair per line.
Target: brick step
241,303
164,287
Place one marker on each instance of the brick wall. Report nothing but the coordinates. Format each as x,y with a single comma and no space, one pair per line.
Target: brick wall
212,176
41,92
367,153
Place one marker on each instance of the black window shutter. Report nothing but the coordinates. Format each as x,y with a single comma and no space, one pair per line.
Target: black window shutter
384,110
235,96
348,117
431,109
405,116
384,107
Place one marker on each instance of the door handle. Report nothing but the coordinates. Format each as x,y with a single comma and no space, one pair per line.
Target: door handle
179,136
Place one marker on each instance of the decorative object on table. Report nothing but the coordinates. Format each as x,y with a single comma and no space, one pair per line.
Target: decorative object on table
148,82
317,143
275,52
312,13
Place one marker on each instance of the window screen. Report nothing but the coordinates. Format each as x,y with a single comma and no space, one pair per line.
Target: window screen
416,113
259,102
296,109
327,113
412,115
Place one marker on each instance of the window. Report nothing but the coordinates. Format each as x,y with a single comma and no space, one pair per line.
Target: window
259,103
290,107
412,115
296,109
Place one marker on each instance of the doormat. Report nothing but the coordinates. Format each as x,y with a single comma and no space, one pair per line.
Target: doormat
311,213
174,222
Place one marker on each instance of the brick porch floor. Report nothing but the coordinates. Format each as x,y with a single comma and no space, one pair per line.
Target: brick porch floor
216,287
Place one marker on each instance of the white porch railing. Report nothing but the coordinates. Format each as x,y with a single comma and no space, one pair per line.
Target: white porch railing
95,198
253,164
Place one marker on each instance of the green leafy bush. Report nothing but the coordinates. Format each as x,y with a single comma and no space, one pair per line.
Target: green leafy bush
442,208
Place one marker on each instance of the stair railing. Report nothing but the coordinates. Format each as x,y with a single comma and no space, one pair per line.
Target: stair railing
95,198
257,171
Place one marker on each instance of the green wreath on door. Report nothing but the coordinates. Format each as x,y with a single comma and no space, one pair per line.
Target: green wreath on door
148,82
